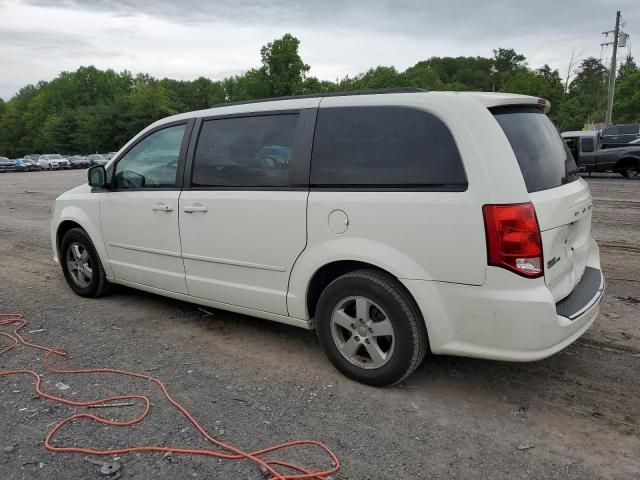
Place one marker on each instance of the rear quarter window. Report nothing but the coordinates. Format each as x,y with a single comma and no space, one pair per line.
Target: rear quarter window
544,158
384,147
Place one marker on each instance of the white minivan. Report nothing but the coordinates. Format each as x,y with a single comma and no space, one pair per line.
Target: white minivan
391,223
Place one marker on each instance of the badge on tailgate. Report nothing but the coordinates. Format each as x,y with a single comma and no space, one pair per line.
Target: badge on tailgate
580,211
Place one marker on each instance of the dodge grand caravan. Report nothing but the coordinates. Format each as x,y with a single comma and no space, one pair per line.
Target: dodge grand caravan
391,223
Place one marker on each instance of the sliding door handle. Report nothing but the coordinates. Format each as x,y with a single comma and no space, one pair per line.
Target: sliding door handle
195,208
162,207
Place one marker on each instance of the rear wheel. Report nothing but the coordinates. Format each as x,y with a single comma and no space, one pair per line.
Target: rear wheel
81,265
370,328
632,172
628,168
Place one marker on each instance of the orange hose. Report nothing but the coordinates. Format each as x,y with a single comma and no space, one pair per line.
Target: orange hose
228,452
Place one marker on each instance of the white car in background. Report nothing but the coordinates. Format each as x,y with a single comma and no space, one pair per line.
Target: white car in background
392,224
53,161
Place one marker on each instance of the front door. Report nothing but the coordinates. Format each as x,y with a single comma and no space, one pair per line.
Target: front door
139,216
242,219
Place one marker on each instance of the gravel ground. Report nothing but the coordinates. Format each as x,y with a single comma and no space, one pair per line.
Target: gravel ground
254,383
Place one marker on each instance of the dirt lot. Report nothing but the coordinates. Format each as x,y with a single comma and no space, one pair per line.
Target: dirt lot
253,383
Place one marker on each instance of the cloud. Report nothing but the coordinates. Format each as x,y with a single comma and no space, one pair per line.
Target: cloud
199,37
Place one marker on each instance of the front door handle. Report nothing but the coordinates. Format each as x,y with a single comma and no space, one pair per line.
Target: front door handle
195,208
162,207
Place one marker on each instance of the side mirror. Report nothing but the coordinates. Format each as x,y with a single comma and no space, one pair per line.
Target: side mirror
97,176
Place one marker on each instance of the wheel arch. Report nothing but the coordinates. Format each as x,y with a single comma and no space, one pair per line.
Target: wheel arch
627,161
63,228
327,273
74,217
321,263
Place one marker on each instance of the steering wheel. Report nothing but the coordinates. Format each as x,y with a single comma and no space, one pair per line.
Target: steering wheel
268,162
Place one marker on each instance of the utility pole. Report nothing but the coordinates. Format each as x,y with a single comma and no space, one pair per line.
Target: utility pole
612,70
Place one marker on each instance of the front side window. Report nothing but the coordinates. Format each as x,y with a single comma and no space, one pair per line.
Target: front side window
153,162
384,147
245,152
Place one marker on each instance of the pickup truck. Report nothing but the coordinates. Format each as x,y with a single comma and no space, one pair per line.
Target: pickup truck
621,134
593,156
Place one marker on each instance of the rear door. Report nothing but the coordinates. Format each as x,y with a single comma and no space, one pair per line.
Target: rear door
561,198
243,208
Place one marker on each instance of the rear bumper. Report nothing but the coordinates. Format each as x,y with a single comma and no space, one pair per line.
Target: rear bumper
508,318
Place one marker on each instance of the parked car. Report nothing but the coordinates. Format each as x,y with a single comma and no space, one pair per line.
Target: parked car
620,134
79,161
53,161
22,165
31,165
7,165
592,156
97,159
390,223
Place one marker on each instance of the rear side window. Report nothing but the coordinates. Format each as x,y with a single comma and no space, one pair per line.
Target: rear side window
628,129
544,159
245,152
393,147
587,145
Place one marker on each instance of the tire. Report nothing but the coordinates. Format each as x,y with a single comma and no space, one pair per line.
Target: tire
95,285
632,172
385,301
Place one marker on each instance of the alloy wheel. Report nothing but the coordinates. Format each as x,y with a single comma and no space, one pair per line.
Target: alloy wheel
79,264
362,332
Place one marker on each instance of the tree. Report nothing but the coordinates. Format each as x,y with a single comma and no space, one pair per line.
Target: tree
627,68
506,62
590,88
93,110
283,69
626,106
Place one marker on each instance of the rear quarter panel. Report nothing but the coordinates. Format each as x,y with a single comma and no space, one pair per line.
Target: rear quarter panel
433,236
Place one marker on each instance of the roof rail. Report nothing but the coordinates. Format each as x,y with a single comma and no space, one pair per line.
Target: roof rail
379,91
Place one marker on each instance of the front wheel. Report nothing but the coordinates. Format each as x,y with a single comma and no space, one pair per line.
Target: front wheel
370,328
81,265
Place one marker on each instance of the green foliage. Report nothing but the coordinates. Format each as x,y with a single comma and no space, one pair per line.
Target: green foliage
626,103
93,110
282,70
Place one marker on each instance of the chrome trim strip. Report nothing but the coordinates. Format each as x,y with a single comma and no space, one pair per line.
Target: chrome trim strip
591,302
235,263
200,258
144,249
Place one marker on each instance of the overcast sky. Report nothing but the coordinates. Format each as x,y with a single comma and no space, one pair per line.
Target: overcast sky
185,39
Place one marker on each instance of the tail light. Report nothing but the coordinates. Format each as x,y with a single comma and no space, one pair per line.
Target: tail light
513,238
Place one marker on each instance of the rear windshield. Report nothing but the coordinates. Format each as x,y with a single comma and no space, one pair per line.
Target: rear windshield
544,159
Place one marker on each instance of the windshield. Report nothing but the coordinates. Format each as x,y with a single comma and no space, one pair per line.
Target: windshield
544,159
